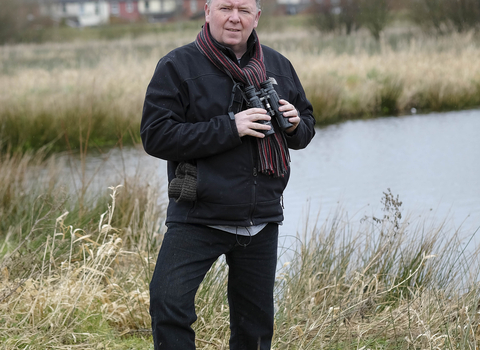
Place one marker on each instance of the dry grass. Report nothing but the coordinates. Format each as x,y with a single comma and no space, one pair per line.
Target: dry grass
59,93
60,296
80,282
424,73
58,252
75,266
394,292
392,284
52,93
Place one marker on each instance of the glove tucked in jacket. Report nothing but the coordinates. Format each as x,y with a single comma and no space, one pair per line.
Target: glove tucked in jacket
184,186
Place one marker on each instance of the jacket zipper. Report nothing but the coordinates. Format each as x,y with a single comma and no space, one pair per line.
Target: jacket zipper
254,187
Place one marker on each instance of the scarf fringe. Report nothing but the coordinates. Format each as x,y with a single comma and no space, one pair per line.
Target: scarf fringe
273,159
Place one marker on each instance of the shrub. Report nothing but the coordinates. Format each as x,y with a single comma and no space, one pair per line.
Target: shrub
18,24
349,15
342,15
374,15
9,23
443,16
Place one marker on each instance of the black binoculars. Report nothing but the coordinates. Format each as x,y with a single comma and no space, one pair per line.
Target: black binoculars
267,99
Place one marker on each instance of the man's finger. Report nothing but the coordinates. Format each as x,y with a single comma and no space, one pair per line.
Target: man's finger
253,111
261,117
260,126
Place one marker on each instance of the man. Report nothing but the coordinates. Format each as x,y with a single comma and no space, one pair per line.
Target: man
226,176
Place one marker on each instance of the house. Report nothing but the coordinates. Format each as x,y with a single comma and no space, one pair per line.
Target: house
77,13
29,10
81,13
158,10
126,10
193,8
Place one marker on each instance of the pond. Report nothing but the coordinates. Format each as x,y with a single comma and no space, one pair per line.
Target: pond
432,162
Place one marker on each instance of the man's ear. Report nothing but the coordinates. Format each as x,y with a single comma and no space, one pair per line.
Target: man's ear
207,13
257,18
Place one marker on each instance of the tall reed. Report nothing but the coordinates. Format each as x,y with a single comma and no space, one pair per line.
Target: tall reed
391,284
50,94
418,74
76,261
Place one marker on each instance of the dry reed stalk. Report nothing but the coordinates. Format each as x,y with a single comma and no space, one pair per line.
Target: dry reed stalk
96,277
341,290
330,296
108,79
354,84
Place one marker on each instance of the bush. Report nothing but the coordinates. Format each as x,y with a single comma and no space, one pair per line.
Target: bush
443,16
348,15
374,15
18,24
342,15
9,20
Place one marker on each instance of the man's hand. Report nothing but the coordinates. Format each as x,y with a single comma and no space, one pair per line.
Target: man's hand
290,112
247,122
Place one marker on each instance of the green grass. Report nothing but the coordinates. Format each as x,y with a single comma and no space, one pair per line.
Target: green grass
66,129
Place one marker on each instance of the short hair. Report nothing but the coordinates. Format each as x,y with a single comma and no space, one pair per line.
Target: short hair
209,2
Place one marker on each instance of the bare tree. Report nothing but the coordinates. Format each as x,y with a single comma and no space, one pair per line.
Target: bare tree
20,21
349,16
337,15
374,15
325,18
10,20
442,16
464,15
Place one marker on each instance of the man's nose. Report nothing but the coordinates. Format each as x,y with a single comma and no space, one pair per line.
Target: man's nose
234,16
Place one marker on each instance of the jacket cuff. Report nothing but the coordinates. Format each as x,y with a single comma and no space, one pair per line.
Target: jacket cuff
233,125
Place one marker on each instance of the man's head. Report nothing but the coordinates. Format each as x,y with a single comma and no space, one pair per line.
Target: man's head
257,2
232,21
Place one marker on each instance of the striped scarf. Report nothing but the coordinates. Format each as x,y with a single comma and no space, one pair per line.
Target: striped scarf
274,157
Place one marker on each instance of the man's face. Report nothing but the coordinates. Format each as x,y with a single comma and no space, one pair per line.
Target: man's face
232,21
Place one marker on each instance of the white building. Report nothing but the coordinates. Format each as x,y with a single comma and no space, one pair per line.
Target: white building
158,9
78,13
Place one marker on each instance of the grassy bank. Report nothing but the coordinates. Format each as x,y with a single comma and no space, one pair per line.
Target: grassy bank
65,94
75,271
421,74
75,262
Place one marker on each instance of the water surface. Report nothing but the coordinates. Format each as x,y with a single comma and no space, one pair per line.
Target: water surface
432,162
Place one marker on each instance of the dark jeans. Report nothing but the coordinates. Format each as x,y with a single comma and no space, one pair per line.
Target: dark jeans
187,253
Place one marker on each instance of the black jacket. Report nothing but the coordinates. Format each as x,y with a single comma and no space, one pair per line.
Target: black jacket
185,118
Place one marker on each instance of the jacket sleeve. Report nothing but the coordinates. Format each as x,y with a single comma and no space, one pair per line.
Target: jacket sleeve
305,130
167,134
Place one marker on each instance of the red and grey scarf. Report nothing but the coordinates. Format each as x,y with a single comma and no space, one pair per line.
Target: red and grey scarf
273,150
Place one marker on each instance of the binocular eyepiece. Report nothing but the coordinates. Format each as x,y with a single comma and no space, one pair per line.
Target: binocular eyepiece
267,98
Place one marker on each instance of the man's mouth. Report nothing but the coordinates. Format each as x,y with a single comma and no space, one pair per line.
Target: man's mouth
233,30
